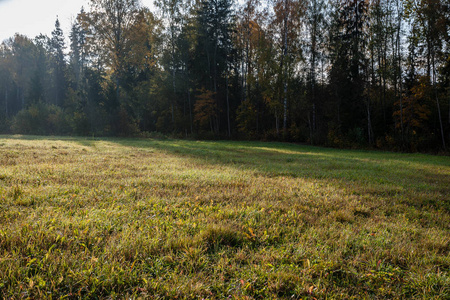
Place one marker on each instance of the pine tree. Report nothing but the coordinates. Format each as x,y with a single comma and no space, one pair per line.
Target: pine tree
349,64
57,46
214,49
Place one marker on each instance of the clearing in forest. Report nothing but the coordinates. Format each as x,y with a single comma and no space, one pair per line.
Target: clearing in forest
97,218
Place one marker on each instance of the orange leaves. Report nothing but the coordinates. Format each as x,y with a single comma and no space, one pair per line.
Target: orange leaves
415,111
205,107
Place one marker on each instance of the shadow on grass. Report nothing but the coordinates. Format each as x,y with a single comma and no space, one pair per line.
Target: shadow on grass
418,179
422,177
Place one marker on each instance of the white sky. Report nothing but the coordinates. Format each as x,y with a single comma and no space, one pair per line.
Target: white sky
32,17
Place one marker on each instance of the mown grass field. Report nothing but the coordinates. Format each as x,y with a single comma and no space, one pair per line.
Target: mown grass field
170,219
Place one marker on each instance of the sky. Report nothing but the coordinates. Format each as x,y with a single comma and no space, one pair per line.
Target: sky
32,17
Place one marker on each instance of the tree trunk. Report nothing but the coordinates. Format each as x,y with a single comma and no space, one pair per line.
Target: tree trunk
437,100
310,130
313,119
285,54
313,79
257,119
228,109
440,120
245,64
18,97
173,114
6,102
211,124
243,81
399,57
215,67
285,109
173,74
190,109
369,122
117,88
276,124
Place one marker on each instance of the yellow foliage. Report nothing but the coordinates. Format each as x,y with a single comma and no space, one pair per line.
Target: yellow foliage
415,110
205,108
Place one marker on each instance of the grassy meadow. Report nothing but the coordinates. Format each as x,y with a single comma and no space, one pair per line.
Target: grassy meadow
117,218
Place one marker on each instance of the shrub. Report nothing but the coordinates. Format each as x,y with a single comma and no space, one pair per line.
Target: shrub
41,118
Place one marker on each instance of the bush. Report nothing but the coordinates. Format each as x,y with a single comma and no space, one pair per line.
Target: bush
152,135
126,125
41,118
4,124
80,124
356,136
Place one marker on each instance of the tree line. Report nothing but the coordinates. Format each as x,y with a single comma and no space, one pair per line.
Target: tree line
352,73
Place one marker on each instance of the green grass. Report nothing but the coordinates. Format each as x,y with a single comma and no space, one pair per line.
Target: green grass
153,219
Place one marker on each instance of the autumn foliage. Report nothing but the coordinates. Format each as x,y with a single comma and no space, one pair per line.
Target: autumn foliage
351,73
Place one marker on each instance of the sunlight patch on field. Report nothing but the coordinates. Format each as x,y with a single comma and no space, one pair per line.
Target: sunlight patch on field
139,218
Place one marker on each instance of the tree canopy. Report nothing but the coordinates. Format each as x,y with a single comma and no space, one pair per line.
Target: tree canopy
351,73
